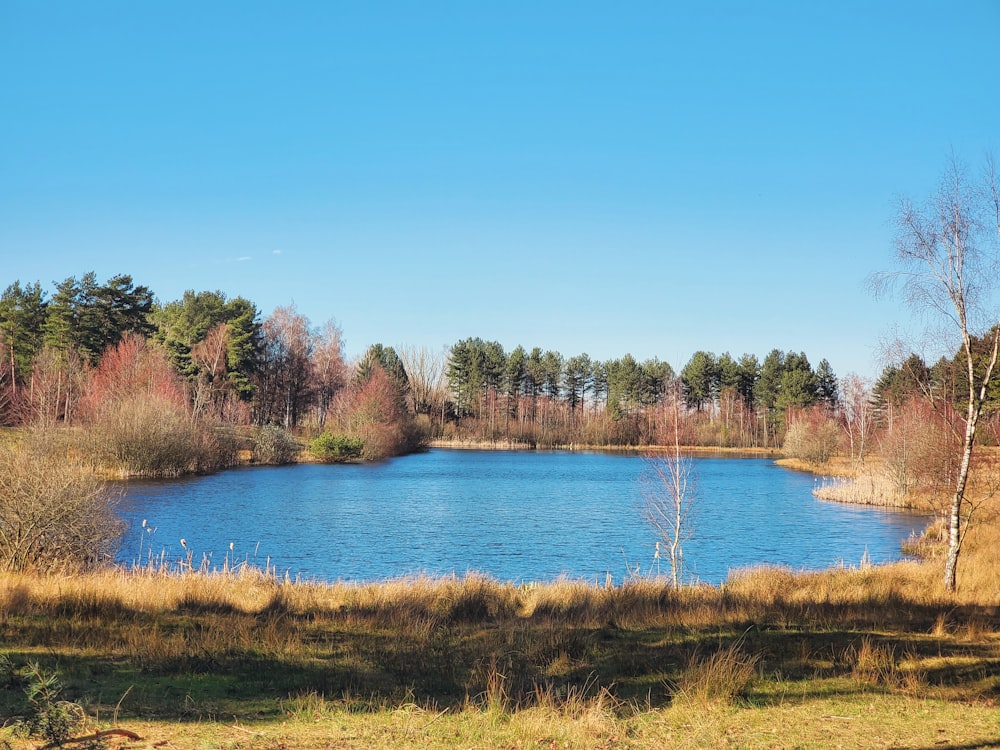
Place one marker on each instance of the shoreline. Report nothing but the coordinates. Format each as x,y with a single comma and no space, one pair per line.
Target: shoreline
687,450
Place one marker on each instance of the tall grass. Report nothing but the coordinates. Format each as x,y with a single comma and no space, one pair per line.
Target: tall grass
237,640
869,488
724,676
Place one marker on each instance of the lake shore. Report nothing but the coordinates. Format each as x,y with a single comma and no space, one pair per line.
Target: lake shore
689,450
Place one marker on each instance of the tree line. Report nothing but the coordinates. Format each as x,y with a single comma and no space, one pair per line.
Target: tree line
235,367
538,396
228,365
207,360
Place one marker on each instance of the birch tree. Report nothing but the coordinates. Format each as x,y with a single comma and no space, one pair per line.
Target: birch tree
668,492
857,415
946,250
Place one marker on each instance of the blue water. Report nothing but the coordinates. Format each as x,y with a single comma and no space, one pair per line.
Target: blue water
517,516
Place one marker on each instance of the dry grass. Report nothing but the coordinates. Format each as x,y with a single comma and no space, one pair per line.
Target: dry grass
872,487
431,662
725,676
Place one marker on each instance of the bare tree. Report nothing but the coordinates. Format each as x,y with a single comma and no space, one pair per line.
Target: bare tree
328,367
947,250
54,388
428,377
284,377
668,492
857,415
211,357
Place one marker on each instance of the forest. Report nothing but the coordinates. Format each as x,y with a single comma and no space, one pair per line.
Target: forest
192,384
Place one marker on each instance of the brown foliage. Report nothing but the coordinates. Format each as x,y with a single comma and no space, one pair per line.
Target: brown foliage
136,412
54,514
375,412
919,447
54,389
131,369
813,435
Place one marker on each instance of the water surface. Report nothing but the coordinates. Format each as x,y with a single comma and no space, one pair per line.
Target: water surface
518,516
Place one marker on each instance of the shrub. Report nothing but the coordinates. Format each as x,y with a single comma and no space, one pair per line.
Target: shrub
138,419
333,448
54,513
273,446
144,438
52,719
813,438
373,412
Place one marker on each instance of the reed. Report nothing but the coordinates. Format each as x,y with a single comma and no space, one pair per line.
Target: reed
872,487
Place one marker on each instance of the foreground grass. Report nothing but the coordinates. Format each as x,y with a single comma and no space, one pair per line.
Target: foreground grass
872,721
871,657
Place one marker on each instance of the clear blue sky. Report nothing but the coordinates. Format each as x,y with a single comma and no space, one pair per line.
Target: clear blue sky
644,177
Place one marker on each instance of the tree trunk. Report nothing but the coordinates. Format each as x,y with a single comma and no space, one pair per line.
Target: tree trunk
955,512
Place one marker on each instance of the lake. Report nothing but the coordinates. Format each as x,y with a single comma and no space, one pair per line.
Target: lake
516,516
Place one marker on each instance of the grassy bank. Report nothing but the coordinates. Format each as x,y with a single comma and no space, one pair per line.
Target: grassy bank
243,660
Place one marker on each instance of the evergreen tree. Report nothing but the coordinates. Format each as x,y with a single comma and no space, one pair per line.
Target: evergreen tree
183,324
577,380
386,358
656,377
517,363
474,366
91,317
552,366
727,373
625,385
748,373
123,308
768,384
827,390
22,317
534,373
898,383
244,345
797,386
72,319
599,381
699,378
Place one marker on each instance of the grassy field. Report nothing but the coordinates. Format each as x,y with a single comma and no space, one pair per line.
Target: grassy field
871,657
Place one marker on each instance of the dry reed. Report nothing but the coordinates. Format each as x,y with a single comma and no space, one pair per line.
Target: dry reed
868,488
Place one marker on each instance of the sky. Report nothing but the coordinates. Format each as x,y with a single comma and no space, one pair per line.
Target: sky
652,178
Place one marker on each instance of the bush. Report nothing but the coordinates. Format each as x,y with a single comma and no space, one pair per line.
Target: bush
141,437
54,513
138,417
814,439
274,447
334,448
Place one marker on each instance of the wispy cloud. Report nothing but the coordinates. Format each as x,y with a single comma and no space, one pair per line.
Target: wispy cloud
243,258
277,252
